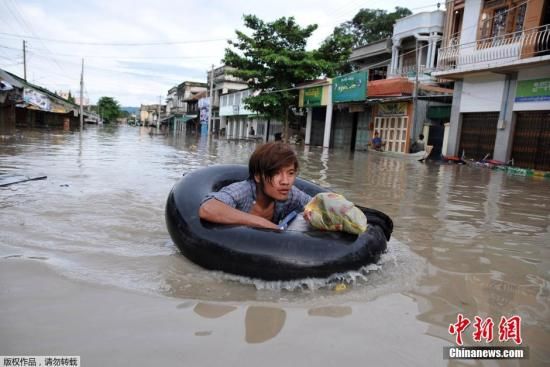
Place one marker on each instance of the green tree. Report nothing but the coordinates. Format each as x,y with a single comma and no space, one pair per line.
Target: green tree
108,108
368,25
371,25
273,59
70,97
336,50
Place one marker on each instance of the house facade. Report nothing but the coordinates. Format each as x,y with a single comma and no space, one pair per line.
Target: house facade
236,120
498,54
402,98
149,114
23,104
223,82
182,112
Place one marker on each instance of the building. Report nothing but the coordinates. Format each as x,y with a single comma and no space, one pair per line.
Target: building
149,114
498,54
223,83
393,92
236,120
415,42
23,104
182,111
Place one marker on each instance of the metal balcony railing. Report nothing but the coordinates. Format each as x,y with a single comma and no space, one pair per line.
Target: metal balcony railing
409,71
500,49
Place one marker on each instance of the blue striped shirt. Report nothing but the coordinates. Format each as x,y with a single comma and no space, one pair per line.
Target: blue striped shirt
242,196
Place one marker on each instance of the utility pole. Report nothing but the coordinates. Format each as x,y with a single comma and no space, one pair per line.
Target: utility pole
158,118
415,92
81,96
24,61
211,107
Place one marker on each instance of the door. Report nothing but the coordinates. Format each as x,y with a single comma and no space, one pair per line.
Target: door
531,145
477,138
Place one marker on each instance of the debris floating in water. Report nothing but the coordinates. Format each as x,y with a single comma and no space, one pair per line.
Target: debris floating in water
20,179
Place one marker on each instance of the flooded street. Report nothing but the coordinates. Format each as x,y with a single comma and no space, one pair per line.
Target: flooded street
466,240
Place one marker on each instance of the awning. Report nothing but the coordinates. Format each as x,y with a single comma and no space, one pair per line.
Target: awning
185,118
396,87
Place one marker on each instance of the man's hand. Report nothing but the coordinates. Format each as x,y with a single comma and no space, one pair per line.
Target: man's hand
217,212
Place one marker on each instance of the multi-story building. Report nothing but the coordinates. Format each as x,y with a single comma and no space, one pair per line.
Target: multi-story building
498,54
403,99
223,83
149,114
181,105
236,120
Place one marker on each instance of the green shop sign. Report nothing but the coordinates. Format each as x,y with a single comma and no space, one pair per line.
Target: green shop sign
312,96
350,87
535,90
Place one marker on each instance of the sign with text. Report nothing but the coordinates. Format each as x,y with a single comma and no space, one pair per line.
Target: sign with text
535,90
312,96
350,87
392,109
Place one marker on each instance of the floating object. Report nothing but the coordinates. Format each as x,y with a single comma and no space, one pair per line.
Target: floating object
454,159
340,287
262,253
19,179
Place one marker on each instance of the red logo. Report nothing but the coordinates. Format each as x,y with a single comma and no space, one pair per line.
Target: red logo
461,324
508,329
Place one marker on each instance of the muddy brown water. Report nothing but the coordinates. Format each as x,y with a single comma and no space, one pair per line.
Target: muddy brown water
466,240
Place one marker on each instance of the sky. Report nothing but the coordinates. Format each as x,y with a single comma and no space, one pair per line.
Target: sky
135,50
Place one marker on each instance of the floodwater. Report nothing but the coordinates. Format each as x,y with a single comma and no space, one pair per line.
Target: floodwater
466,239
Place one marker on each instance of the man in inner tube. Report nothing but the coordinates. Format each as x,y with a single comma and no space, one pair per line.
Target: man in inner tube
265,198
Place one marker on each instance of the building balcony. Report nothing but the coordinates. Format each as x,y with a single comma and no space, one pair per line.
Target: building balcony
494,52
425,22
410,71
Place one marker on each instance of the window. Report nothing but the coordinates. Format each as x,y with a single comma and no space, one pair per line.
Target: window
519,18
501,17
499,22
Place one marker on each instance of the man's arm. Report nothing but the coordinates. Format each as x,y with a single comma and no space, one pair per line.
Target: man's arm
217,212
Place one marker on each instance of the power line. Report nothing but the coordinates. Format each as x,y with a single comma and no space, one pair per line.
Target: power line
28,27
157,43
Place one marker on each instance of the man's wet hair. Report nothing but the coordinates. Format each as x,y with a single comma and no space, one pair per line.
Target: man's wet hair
269,158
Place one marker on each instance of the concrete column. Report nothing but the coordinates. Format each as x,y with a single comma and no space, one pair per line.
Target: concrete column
505,131
445,138
394,59
242,125
309,119
429,54
328,119
434,48
456,121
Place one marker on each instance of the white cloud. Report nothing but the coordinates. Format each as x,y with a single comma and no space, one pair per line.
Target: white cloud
135,75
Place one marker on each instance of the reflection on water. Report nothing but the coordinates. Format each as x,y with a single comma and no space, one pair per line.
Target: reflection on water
466,239
212,310
263,323
330,311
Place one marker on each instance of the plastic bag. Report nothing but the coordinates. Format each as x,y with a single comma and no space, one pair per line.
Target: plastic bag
332,212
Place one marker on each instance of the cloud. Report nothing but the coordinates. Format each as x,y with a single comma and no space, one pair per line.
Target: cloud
138,74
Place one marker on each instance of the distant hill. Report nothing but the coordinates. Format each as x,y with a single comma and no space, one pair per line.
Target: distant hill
131,110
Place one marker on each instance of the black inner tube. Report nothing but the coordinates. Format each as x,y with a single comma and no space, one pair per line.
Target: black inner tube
265,254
